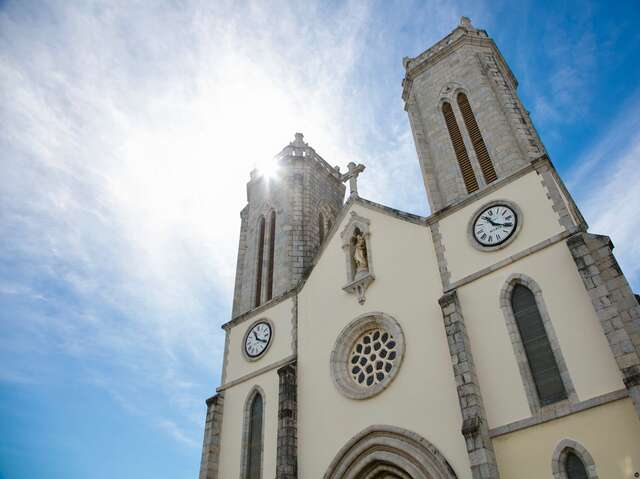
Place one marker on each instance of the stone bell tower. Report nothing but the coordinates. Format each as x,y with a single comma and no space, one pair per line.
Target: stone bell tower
469,125
287,216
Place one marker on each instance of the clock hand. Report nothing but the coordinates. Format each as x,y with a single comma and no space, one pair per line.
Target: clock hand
490,221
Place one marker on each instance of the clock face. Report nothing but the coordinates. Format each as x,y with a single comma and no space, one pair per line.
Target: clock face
495,225
258,339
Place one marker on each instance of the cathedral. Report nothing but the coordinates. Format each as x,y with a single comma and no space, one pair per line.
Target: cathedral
495,338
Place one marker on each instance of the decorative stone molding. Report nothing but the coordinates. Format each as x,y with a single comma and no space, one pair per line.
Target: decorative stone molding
244,448
357,281
518,347
271,339
476,214
438,245
569,216
211,444
474,424
287,453
614,303
391,449
559,459
558,413
340,361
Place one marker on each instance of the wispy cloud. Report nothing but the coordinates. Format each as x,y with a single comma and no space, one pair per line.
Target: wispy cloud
604,182
128,135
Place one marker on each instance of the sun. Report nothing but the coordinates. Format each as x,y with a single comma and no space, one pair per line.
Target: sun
269,169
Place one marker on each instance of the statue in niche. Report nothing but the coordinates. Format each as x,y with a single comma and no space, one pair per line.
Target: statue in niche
360,254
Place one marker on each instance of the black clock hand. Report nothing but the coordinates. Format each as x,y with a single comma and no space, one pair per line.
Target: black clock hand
490,221
257,338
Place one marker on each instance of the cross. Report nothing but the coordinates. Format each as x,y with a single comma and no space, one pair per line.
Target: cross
352,176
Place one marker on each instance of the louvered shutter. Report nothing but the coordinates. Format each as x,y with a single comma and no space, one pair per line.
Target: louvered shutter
477,141
468,175
542,362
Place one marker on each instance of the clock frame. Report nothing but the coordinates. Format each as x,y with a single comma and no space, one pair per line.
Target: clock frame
506,241
249,331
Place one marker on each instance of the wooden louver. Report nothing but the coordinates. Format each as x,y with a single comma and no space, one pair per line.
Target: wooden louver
272,252
258,298
468,175
477,141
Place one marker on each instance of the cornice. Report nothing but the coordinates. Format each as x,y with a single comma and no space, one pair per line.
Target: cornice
457,38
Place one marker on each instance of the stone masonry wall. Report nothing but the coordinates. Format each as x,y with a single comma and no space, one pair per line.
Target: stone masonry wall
211,444
474,420
614,302
468,61
304,186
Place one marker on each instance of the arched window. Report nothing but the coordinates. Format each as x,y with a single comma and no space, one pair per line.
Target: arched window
252,454
272,254
477,141
260,260
537,348
570,460
321,227
468,175
574,468
330,225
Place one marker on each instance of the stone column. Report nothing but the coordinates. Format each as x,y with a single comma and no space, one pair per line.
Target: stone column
474,420
287,455
615,304
211,444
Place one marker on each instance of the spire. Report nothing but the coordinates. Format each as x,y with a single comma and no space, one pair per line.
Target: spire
465,22
299,140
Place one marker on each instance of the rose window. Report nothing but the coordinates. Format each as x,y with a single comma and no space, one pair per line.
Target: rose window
367,355
372,357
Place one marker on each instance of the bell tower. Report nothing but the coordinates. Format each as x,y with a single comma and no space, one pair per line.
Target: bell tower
469,125
288,214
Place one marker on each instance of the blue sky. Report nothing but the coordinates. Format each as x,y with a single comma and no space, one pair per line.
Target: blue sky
128,130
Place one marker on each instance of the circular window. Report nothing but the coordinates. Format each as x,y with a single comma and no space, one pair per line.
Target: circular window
372,357
367,355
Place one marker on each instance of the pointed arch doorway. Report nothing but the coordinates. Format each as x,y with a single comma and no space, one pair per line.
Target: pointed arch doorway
388,452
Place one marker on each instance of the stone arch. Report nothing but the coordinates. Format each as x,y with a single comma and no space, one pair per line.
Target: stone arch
518,347
244,449
382,451
559,458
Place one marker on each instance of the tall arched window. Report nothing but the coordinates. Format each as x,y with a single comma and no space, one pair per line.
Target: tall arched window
466,169
321,227
477,141
574,468
272,254
537,348
260,260
253,438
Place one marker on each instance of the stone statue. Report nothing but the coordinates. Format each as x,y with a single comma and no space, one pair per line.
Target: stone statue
360,253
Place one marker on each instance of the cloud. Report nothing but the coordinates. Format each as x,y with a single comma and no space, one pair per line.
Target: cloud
128,134
605,186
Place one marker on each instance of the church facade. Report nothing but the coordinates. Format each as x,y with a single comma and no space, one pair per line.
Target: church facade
496,337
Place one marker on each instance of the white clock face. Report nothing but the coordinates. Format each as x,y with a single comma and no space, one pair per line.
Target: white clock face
258,339
495,225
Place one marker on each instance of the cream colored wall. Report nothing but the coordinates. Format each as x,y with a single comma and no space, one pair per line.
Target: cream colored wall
610,433
422,398
539,223
232,425
281,316
584,346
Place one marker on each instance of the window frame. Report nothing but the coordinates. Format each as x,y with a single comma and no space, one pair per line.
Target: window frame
535,406
559,459
246,430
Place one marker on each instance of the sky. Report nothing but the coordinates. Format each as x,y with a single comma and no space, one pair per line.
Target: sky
127,133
